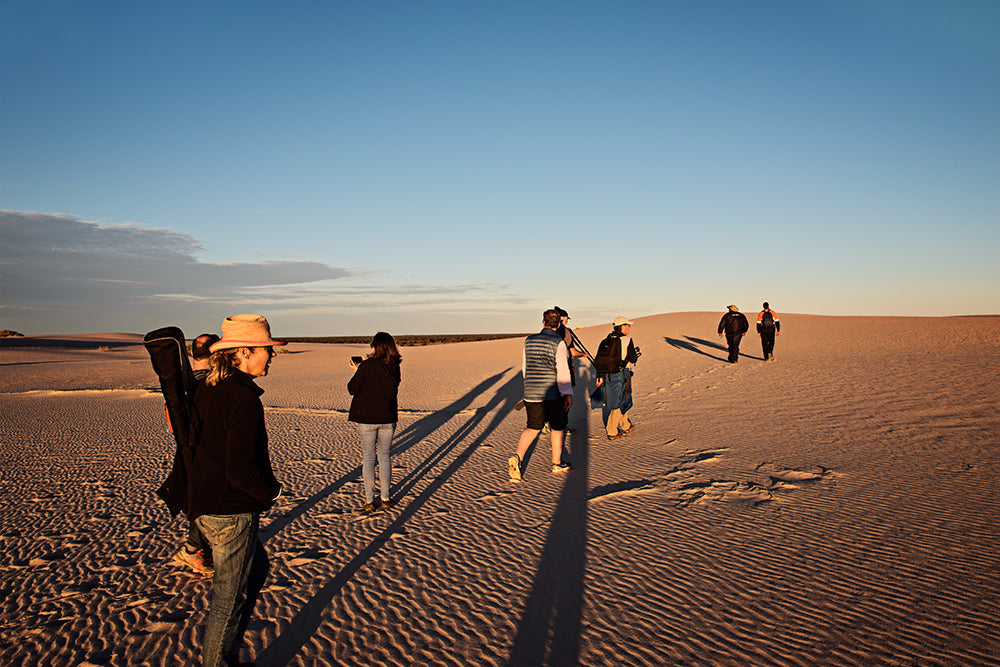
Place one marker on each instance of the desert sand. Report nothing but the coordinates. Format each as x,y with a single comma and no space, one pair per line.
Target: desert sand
837,506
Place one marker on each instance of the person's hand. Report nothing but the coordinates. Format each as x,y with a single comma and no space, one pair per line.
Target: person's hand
569,402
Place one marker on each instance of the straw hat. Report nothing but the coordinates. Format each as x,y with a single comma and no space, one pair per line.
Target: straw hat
245,331
733,308
619,321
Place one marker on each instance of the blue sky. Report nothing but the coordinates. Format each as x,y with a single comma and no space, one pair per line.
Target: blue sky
450,167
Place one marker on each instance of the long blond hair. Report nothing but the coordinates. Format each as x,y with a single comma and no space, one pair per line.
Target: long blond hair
222,363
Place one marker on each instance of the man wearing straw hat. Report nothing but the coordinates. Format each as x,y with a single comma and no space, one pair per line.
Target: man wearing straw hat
231,481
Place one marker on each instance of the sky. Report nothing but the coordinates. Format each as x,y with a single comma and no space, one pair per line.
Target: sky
458,167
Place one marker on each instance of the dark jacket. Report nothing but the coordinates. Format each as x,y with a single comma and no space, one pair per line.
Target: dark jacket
231,472
374,387
734,322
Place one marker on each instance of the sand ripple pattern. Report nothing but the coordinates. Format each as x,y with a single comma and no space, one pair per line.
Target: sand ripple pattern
831,508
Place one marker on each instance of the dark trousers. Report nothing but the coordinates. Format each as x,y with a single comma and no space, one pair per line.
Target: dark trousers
767,343
734,346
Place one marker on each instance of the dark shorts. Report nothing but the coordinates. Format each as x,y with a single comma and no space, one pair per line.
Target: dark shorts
551,411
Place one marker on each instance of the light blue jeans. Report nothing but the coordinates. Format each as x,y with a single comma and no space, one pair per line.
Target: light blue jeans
372,434
240,570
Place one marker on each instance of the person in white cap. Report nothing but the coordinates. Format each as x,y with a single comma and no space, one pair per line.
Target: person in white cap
614,355
231,481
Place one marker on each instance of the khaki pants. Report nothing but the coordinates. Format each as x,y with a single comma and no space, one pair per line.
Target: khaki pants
617,420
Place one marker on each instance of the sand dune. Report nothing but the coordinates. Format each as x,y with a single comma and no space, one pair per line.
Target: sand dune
834,507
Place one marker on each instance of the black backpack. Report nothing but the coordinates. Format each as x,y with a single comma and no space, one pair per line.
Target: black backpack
767,320
609,355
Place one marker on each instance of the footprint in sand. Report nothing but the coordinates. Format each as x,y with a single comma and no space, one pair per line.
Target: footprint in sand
789,476
308,556
685,485
490,496
703,455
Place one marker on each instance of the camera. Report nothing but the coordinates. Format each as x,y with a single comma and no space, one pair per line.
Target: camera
357,360
638,352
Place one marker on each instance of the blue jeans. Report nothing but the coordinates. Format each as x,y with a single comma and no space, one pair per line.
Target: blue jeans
370,435
240,570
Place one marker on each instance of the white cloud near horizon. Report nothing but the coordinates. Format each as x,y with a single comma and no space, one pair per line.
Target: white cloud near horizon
107,276
60,274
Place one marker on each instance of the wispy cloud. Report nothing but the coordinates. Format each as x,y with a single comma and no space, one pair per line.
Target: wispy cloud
119,273
60,274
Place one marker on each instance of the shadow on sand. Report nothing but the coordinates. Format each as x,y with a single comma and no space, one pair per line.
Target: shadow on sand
692,345
550,627
311,616
404,440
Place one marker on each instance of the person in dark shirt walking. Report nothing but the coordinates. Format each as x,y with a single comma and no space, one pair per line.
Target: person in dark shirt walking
734,325
768,327
375,411
231,481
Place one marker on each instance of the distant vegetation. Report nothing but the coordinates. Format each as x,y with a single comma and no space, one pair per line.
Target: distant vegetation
403,340
7,333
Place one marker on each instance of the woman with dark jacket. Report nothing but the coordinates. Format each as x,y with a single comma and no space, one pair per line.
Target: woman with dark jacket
231,481
375,411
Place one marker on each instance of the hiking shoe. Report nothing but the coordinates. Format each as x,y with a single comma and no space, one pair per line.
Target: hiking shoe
386,505
514,463
616,436
195,561
626,431
562,466
368,508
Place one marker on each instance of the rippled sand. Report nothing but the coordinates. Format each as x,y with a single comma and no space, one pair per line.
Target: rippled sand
834,507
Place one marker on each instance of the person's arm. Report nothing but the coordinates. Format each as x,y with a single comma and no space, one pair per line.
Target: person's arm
722,323
777,324
357,381
629,353
244,470
564,376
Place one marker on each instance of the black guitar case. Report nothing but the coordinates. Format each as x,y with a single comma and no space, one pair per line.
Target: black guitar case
167,350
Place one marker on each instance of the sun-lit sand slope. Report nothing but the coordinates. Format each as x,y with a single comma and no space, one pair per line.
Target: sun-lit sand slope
835,507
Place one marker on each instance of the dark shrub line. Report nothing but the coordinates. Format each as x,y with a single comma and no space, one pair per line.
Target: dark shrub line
403,340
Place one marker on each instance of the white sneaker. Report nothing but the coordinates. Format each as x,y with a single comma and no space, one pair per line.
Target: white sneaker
514,463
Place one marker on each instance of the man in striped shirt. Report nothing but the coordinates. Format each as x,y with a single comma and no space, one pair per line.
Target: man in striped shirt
548,392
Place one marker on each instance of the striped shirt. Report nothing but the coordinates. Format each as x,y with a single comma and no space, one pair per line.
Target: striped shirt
545,364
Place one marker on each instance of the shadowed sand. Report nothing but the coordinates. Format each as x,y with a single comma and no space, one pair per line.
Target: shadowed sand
834,507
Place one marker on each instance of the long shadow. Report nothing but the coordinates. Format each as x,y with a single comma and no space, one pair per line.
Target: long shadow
413,434
550,627
719,346
691,347
305,623
725,348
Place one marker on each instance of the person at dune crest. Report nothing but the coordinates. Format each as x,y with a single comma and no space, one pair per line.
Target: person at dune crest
231,481
548,393
734,326
374,410
768,327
